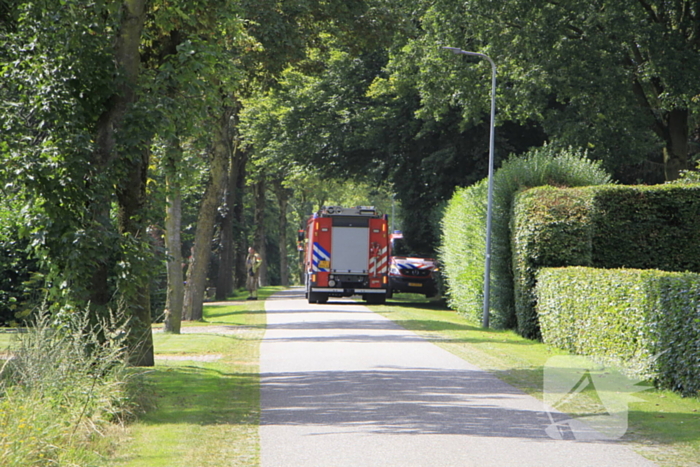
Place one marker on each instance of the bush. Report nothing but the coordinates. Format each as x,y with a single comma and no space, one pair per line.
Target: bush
551,228
647,227
541,166
61,391
19,291
640,227
463,248
647,321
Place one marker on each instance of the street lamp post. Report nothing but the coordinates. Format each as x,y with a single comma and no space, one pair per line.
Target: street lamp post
489,202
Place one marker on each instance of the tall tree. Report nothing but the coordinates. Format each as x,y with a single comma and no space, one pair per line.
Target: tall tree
615,77
282,193
131,187
173,243
229,230
74,85
220,158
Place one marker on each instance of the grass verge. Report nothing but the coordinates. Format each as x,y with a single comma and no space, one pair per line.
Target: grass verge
665,427
61,405
205,388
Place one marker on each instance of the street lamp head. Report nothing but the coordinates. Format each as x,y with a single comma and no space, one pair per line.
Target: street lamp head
454,50
459,51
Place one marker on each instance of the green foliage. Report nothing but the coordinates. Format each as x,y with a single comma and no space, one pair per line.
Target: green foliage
61,390
642,227
647,227
350,120
463,239
564,69
689,176
645,320
20,290
541,166
462,250
550,227
58,74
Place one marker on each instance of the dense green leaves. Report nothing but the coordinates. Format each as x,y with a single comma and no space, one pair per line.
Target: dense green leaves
615,77
463,249
56,76
606,226
464,231
645,321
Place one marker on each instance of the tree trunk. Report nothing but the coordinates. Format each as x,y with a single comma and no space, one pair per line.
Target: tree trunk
676,150
173,242
227,248
197,272
259,222
283,200
131,198
130,187
240,234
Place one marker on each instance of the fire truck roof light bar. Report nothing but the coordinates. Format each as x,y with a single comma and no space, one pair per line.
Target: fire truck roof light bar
341,211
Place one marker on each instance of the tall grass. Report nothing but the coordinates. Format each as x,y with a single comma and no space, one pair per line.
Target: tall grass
62,391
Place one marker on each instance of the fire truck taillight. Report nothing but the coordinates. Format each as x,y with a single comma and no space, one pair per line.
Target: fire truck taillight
313,277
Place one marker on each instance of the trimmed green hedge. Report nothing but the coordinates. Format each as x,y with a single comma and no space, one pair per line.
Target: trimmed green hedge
607,226
551,227
647,227
543,166
464,225
463,246
647,321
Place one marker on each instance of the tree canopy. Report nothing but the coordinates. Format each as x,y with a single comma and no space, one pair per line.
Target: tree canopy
114,112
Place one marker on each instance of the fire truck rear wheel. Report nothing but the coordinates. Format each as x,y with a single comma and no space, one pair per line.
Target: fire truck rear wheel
315,297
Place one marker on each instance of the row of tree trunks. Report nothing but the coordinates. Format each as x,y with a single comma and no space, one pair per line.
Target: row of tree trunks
240,247
229,231
282,194
224,279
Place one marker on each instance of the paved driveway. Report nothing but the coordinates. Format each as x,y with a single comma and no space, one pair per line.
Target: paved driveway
342,386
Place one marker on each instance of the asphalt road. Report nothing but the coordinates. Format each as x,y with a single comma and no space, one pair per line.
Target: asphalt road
342,386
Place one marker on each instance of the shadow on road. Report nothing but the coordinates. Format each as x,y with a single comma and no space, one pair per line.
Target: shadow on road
401,402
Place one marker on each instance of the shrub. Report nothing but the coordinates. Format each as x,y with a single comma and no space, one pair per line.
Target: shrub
647,321
18,289
463,248
550,227
640,227
647,227
541,166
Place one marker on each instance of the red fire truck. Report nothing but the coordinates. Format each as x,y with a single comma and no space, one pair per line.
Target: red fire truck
346,254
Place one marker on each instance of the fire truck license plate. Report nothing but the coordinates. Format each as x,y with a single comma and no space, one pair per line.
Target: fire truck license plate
414,284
